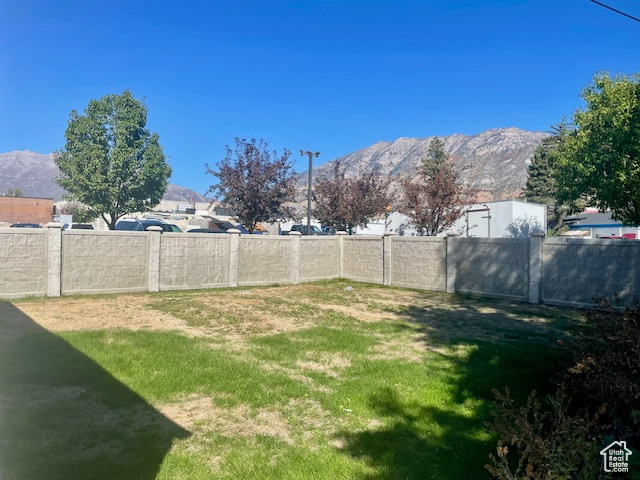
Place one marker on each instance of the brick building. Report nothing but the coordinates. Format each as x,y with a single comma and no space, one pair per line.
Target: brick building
26,209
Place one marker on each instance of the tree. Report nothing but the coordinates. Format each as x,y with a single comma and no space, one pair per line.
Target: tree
252,184
347,203
14,192
436,198
541,186
436,157
111,162
79,212
599,163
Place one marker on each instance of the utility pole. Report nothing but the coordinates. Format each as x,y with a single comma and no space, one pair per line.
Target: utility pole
311,155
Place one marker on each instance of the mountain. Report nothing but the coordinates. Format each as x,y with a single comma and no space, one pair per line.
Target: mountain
31,172
34,174
493,162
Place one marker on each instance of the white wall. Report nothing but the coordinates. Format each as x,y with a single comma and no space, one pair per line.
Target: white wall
508,218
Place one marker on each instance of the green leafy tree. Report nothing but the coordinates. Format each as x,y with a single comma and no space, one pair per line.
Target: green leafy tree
79,212
253,184
111,162
541,185
347,203
14,192
599,163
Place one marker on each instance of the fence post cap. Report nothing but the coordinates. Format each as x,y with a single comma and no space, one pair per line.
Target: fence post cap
154,228
54,225
341,232
234,231
537,234
296,234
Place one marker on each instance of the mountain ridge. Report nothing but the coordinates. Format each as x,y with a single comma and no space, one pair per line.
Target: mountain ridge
493,162
34,174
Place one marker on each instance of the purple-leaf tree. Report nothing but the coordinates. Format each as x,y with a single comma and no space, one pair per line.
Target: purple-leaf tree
436,198
347,203
253,184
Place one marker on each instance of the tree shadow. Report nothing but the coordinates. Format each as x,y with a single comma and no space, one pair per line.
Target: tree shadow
485,344
408,448
63,416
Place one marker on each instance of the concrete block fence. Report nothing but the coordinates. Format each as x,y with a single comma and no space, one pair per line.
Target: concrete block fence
567,272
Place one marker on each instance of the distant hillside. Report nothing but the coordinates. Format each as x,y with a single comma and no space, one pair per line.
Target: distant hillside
31,172
34,174
494,162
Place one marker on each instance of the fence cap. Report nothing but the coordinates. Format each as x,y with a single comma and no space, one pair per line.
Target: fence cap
389,234
537,234
296,234
341,232
54,225
154,228
234,231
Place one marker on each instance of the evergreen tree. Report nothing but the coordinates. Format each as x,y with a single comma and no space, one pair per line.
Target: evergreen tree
541,185
436,198
436,158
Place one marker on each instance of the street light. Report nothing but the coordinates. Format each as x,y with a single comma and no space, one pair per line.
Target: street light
311,155
387,212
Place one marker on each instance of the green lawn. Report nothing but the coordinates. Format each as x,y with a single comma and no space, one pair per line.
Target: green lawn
296,382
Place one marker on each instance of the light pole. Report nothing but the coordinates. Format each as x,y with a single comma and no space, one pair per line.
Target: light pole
311,155
387,212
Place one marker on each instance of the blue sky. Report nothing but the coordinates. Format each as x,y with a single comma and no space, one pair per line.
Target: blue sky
333,76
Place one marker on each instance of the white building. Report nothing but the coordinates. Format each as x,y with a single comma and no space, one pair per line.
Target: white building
500,219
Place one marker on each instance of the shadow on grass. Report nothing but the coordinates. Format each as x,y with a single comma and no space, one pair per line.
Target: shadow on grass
62,416
487,344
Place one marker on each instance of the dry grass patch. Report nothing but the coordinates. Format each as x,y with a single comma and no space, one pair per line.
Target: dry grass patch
329,364
305,381
408,350
299,419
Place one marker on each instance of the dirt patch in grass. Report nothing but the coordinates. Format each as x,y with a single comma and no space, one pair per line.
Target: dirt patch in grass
232,316
288,423
409,350
329,364
121,311
296,375
360,312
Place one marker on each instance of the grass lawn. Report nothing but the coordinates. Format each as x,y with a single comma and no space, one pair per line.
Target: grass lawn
313,381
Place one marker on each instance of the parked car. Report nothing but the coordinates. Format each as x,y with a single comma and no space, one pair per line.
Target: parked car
141,224
25,225
222,225
303,230
244,231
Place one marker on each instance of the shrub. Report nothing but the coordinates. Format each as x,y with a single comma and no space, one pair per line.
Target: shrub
606,375
543,441
598,397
